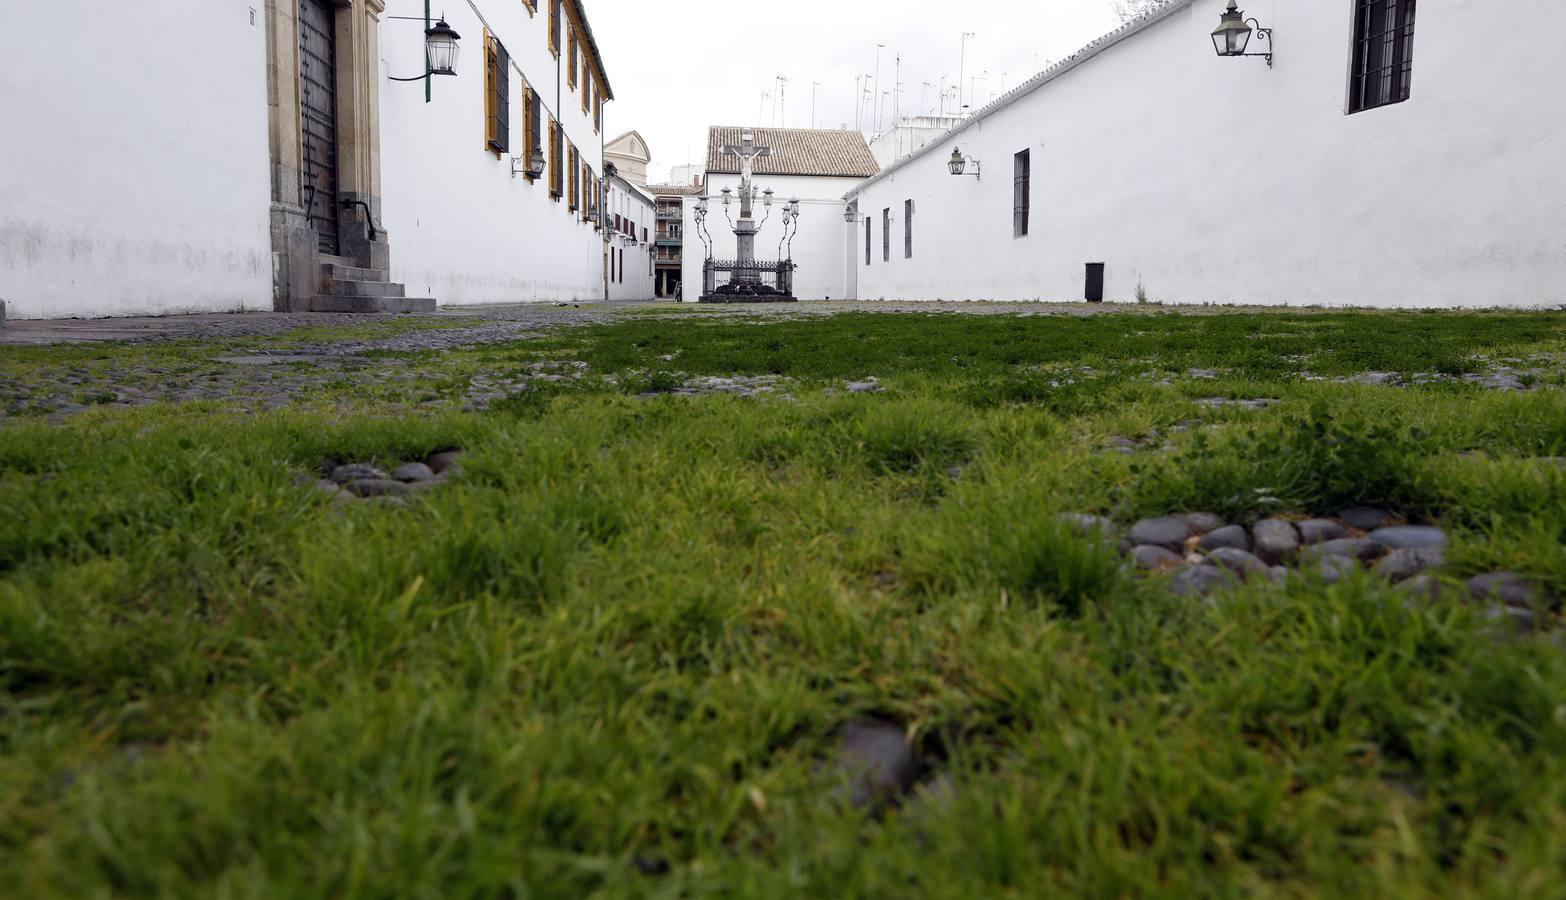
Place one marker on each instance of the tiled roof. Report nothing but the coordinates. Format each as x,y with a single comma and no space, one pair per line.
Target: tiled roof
795,151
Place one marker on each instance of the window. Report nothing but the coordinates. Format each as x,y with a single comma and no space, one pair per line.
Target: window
622,267
644,234
886,234
587,84
1022,167
571,59
1383,53
573,198
867,240
532,130
497,99
598,109
556,188
907,229
554,27
611,264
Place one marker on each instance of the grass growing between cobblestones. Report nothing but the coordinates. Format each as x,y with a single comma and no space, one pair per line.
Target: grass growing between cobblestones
613,657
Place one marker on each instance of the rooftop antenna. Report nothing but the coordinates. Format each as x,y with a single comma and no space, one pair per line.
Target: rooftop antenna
782,101
897,89
962,67
813,86
875,90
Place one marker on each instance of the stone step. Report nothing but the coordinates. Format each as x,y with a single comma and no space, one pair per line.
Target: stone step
351,304
340,288
327,260
334,271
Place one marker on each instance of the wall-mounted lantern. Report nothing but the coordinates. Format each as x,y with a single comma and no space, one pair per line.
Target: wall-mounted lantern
531,165
440,49
958,164
1233,34
851,213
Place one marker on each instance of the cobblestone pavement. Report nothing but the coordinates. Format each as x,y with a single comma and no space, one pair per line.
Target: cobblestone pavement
260,361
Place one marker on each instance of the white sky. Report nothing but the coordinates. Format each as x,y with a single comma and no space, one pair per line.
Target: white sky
678,66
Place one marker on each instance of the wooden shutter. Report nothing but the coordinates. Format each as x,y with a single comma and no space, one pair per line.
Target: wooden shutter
554,27
554,159
501,142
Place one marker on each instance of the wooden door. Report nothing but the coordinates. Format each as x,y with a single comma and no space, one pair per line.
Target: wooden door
318,117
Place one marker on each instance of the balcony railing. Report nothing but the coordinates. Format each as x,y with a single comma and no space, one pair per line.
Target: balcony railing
669,215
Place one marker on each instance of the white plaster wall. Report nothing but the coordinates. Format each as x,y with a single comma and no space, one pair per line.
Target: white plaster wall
1209,179
818,248
463,229
637,280
133,171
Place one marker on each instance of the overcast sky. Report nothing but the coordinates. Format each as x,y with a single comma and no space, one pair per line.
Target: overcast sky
678,66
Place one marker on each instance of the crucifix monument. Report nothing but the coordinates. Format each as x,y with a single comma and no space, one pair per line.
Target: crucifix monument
745,230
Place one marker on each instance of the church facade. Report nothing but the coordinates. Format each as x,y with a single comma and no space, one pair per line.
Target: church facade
1373,160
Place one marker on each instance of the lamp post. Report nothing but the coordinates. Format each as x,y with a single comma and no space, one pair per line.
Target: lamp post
1233,34
958,164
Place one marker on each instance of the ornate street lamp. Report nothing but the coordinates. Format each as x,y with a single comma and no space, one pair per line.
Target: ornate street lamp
958,164
440,44
727,193
440,50
1233,34
851,213
535,163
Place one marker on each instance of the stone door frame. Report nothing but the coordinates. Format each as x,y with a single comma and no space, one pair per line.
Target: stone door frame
296,260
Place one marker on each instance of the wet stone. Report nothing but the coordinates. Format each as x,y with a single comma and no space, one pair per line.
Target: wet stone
1203,523
1275,541
1425,587
1168,533
376,487
878,761
1155,559
1410,537
1200,581
1233,537
357,472
1401,565
1319,531
1366,518
445,461
1511,589
1240,562
1362,549
413,472
1334,569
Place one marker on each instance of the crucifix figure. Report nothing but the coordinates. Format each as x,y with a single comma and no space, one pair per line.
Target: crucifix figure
745,230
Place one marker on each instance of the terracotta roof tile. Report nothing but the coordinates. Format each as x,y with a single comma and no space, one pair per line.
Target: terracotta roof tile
795,151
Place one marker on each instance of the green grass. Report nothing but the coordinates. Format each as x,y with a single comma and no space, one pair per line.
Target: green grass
632,628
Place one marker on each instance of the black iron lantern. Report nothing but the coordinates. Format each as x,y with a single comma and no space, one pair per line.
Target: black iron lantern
535,162
851,214
727,193
1233,34
440,43
958,163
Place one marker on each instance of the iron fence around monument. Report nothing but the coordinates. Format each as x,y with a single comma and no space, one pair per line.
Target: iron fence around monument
762,281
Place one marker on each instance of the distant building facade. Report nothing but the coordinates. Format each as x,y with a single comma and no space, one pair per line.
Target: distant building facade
910,135
295,173
630,155
1376,162
629,216
669,240
815,166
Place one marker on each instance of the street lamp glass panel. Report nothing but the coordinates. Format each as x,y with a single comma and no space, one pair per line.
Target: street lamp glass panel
727,193
1233,34
441,45
535,162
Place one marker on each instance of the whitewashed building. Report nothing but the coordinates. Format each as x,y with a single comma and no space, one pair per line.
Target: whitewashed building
629,154
1375,162
269,158
630,218
814,166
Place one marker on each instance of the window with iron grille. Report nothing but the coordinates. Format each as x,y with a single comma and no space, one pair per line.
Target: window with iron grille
886,234
908,229
1383,53
497,95
867,240
574,198
533,138
1022,167
571,57
554,26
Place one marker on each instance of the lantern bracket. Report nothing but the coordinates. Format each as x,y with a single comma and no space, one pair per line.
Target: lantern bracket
1266,35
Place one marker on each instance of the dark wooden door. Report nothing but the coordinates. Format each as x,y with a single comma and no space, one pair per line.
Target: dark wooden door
318,117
